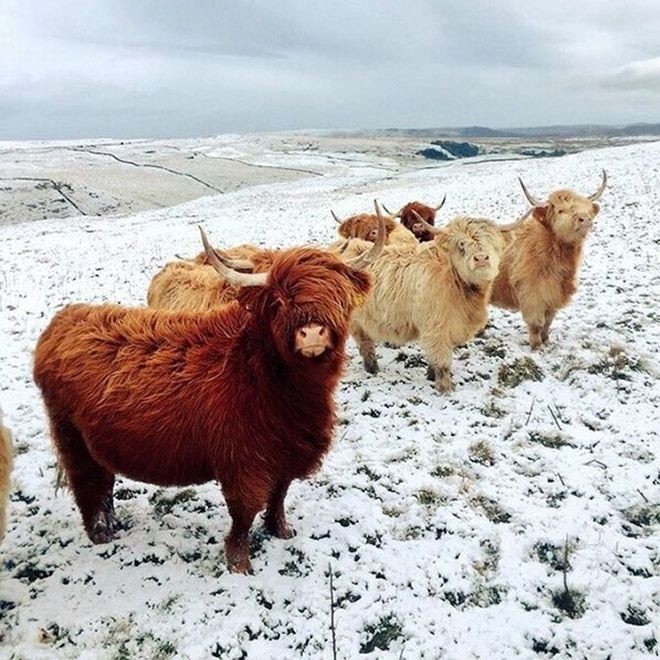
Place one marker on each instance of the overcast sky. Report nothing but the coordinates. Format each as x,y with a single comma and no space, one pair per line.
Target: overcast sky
175,68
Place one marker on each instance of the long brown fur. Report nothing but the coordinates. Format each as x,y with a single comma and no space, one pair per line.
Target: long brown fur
177,398
5,474
538,273
429,293
411,223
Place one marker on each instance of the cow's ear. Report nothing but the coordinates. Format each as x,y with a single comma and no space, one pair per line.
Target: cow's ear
540,213
595,208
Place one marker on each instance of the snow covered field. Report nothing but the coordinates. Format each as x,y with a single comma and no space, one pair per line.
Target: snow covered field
517,517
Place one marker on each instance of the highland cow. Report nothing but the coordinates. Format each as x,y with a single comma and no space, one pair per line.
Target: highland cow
434,293
195,286
241,394
365,226
410,214
538,273
5,473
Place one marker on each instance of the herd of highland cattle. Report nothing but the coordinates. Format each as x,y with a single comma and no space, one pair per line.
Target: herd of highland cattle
230,371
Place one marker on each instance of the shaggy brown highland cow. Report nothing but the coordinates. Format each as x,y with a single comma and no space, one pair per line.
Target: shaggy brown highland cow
241,394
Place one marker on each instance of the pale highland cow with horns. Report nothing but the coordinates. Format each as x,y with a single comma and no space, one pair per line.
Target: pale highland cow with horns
435,293
538,272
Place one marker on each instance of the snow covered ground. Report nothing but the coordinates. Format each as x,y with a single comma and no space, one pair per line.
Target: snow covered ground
517,517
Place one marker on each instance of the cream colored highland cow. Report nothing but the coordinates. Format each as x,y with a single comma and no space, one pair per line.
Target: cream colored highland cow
538,272
434,293
5,472
196,286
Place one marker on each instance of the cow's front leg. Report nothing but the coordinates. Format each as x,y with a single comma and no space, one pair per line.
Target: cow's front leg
439,357
549,317
246,496
535,320
367,350
275,518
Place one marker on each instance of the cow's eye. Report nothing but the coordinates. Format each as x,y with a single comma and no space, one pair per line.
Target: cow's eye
461,246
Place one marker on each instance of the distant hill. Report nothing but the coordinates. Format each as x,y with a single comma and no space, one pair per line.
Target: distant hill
559,131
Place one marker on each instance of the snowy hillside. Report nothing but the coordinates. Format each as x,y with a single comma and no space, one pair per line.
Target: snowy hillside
453,525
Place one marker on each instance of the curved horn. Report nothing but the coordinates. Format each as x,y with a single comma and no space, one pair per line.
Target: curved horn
530,199
337,220
514,225
601,188
392,215
430,228
236,264
442,203
233,277
367,258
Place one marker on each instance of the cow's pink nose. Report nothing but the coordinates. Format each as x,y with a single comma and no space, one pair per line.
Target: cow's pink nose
373,235
417,227
481,259
313,339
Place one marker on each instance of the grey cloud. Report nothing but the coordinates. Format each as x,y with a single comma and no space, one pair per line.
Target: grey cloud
120,68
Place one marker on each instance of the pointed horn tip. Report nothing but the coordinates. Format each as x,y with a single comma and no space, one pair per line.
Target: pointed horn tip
205,240
601,188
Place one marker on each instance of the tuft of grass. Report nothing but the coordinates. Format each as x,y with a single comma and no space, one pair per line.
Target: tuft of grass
491,409
570,601
443,471
617,364
391,512
635,616
642,518
29,572
164,503
429,497
550,440
413,361
481,452
455,598
128,493
381,634
54,635
495,350
553,555
367,471
486,596
514,373
493,511
491,558
542,646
